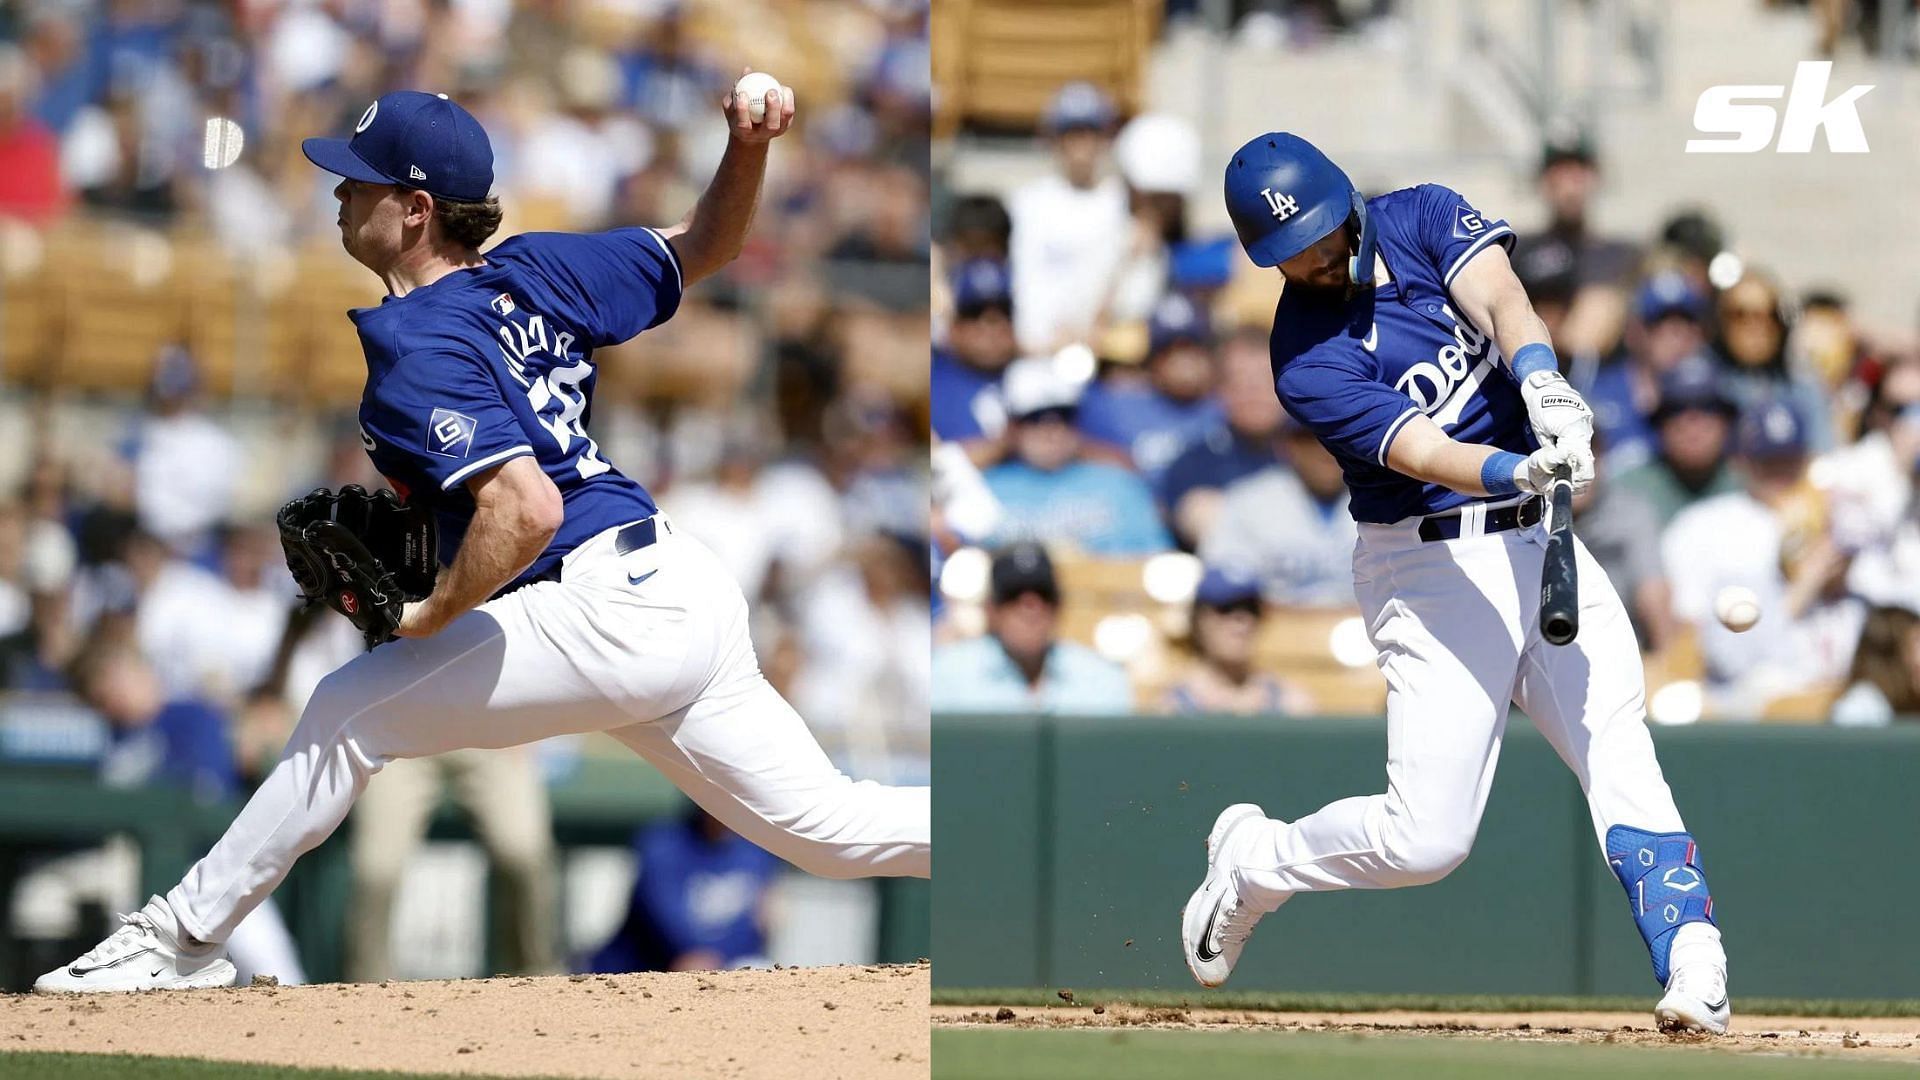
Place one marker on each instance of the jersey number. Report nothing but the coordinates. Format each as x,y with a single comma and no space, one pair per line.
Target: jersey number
558,403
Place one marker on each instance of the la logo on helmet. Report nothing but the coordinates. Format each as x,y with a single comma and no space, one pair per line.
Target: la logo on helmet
1283,206
366,118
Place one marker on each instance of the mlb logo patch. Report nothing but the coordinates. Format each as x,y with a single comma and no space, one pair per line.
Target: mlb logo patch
503,304
1467,223
450,434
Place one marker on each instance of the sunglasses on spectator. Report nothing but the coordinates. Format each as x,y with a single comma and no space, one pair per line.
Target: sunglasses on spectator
1249,606
976,311
1050,597
1059,413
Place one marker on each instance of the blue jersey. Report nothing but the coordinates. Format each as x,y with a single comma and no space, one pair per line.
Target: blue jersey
966,402
496,362
1355,369
1150,426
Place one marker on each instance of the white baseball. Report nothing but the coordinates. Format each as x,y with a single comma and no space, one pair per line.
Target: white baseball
754,86
1737,608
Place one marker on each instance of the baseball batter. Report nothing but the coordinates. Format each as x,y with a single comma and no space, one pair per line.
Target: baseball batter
1387,344
568,602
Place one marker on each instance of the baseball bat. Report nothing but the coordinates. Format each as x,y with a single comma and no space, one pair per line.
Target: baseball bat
1559,581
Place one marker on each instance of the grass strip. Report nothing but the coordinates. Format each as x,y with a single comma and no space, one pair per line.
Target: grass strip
1298,1001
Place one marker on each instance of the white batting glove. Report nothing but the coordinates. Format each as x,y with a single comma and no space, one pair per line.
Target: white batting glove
1558,413
1537,473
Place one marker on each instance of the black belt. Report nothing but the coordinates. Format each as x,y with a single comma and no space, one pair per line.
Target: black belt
630,538
1520,515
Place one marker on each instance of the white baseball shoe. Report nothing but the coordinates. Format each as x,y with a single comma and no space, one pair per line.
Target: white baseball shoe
1696,1000
1215,925
141,955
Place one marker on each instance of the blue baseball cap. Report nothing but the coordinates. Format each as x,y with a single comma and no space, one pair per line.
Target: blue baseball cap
1694,384
1225,587
1670,292
982,283
1772,429
1176,319
1079,105
415,140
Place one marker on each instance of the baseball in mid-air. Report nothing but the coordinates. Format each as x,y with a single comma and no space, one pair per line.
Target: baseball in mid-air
1737,608
754,86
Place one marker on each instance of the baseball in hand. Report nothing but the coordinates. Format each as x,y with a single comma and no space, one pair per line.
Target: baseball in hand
754,87
1737,608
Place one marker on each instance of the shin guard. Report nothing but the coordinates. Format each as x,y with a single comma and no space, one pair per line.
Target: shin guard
1665,886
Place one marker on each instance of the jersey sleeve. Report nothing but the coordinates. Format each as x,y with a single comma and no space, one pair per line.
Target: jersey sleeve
1344,404
444,410
1452,232
618,282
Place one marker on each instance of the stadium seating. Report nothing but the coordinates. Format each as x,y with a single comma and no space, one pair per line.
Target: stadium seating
999,62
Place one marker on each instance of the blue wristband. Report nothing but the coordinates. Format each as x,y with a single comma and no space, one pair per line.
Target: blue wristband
1496,475
1534,356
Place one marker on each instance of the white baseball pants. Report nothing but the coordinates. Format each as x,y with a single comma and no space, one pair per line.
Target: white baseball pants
650,647
1456,623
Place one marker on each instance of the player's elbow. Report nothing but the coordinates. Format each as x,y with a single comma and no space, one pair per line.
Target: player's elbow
521,497
703,256
542,511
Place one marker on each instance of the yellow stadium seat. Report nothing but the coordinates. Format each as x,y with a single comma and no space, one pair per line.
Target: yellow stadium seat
1006,58
117,300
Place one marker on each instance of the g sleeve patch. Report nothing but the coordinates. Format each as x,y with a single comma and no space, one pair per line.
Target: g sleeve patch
1467,223
450,434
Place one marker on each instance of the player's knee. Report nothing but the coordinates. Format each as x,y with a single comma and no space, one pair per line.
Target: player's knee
333,718
826,860
1423,856
329,708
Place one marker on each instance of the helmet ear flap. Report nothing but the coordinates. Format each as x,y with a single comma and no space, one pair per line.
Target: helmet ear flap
1360,265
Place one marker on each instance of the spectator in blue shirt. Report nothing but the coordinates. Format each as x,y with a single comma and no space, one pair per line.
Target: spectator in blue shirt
698,904
1149,422
180,743
1240,445
1021,665
1668,326
965,381
1050,492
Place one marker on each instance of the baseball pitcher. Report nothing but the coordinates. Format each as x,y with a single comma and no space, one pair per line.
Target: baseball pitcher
524,587
1388,344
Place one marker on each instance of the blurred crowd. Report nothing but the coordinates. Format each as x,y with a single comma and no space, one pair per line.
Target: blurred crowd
139,572
1102,388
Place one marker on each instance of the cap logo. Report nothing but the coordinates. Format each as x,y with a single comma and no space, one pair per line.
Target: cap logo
1283,206
366,118
414,173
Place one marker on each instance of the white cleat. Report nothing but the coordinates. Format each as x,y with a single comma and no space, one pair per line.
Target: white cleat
1696,1000
141,955
1214,926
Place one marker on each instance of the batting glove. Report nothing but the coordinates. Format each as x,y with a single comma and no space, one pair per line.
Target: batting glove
1558,413
1537,473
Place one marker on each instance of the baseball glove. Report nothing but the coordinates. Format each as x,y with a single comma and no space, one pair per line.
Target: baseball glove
364,554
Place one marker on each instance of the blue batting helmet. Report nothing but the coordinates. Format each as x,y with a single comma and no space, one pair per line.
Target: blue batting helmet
1284,195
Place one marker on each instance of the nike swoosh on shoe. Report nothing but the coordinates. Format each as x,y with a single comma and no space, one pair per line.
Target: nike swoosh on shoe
75,970
1206,933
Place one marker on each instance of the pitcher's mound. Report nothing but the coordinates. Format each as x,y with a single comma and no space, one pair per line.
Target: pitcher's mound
835,1021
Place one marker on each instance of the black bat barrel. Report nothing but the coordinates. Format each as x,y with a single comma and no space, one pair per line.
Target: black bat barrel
1559,581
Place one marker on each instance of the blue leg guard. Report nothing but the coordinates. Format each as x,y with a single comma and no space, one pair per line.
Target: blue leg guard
1665,886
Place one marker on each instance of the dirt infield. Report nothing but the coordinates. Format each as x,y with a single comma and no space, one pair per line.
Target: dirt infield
1896,1038
837,1021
